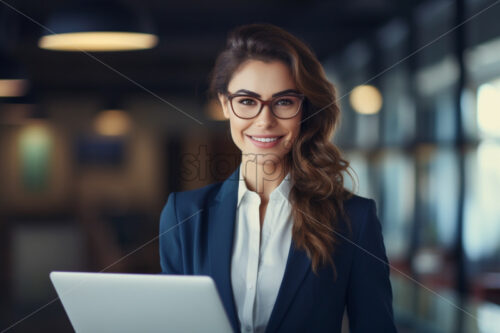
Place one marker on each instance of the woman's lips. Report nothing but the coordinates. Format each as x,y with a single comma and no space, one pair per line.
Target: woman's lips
265,144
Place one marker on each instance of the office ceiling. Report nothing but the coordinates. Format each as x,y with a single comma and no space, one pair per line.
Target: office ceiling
191,34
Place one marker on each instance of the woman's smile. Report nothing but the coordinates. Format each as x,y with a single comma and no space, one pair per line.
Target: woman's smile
265,142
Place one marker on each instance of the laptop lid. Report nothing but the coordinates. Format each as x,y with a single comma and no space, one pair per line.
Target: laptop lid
111,302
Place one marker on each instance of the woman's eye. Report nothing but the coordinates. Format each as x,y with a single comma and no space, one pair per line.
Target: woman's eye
284,102
246,101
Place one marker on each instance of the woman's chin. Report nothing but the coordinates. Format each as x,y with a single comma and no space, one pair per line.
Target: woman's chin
264,160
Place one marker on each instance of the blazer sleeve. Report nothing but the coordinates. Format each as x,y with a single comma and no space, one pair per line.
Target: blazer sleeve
170,244
369,294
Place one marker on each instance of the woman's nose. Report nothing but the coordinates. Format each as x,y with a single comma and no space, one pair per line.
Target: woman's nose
266,116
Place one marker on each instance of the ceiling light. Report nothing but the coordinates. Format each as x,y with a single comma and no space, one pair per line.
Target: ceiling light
98,41
98,26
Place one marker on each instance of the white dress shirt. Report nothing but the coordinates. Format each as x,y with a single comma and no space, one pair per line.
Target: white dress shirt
258,265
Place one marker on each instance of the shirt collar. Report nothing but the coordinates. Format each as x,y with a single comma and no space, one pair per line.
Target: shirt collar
283,189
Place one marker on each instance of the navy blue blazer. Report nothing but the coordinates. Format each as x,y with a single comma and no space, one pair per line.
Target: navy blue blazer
196,238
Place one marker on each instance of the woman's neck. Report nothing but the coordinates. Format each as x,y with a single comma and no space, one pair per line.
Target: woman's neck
262,178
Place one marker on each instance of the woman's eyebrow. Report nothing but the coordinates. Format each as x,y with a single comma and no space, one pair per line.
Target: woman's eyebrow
252,93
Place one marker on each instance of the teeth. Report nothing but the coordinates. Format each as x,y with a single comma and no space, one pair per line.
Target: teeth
265,139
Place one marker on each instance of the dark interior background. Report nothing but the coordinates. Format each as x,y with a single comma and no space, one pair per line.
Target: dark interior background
72,199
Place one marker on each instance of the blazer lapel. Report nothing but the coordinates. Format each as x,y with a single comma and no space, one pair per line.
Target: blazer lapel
298,264
222,216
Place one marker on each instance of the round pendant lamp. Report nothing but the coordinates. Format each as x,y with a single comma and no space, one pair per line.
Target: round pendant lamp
98,26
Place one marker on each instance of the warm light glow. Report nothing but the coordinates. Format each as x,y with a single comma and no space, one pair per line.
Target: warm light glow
112,123
13,88
366,99
98,41
214,110
488,108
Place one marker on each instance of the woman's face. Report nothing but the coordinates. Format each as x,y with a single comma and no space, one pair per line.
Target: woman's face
264,79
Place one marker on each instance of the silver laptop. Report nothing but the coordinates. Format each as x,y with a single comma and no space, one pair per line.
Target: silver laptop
109,302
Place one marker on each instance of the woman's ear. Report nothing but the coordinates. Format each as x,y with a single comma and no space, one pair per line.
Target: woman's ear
224,103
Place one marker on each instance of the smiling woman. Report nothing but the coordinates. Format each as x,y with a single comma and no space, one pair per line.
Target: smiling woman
263,137
286,244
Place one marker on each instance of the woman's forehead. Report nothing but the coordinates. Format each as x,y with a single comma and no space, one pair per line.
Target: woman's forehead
264,78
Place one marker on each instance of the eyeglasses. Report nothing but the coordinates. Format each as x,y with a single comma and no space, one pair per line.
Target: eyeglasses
248,107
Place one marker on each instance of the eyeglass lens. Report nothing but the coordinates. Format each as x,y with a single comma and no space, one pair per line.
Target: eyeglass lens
282,107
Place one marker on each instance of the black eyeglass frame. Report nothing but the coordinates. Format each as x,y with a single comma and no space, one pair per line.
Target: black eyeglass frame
267,102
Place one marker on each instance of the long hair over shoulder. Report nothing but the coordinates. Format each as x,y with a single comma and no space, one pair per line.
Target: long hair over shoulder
316,165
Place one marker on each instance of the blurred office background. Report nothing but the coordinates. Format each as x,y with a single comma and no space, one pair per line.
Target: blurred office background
92,143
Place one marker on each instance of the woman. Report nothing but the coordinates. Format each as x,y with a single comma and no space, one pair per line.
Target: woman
287,246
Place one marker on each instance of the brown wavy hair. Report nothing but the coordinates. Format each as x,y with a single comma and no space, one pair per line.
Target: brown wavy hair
315,163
